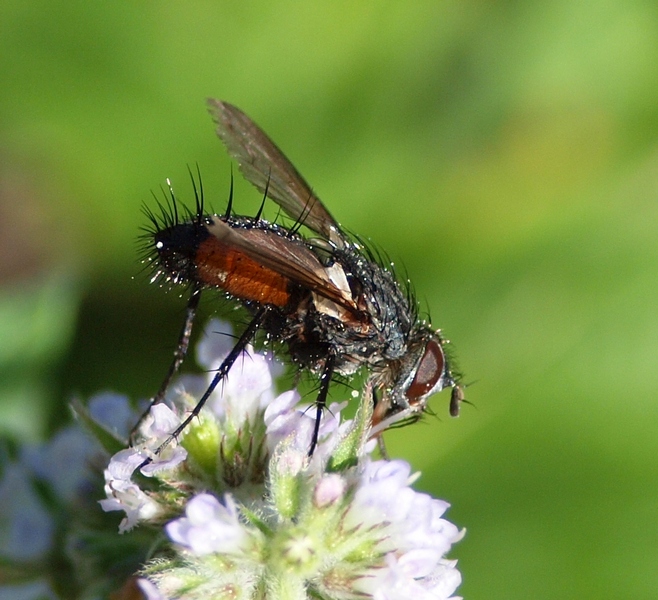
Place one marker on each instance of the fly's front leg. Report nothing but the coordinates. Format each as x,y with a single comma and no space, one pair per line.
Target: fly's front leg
321,400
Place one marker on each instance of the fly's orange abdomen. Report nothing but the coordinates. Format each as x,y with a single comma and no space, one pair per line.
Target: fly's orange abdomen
228,268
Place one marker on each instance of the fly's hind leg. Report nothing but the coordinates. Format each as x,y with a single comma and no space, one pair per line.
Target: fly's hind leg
179,356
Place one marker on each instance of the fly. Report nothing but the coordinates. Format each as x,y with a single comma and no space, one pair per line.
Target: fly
327,299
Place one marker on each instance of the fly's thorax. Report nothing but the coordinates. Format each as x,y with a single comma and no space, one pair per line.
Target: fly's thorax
378,294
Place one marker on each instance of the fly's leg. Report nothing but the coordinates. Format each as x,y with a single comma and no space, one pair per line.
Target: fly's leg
179,356
246,337
321,401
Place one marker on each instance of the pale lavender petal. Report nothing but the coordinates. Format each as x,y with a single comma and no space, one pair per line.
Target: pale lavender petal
113,411
127,496
149,589
123,464
168,459
329,489
63,462
159,423
26,527
209,526
40,590
215,344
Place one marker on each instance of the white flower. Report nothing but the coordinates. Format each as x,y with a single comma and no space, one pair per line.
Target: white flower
123,494
246,390
287,420
209,526
414,534
251,515
397,582
155,429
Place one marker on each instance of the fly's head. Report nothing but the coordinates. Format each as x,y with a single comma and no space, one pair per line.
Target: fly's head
412,379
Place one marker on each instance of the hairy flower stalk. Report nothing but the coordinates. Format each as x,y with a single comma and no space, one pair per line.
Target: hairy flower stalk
246,514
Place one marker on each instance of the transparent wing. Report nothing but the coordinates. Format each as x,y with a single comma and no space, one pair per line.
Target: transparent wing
267,168
278,253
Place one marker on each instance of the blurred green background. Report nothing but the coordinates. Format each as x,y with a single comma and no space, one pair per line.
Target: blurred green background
505,152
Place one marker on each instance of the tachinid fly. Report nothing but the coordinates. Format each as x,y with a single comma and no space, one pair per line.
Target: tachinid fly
329,301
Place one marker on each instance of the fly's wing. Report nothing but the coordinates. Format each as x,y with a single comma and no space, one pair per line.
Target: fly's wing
267,168
286,257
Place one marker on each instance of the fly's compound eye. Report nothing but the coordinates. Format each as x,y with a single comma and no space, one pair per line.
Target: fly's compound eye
428,373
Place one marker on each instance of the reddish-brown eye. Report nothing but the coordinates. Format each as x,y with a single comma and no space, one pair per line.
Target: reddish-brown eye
428,373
